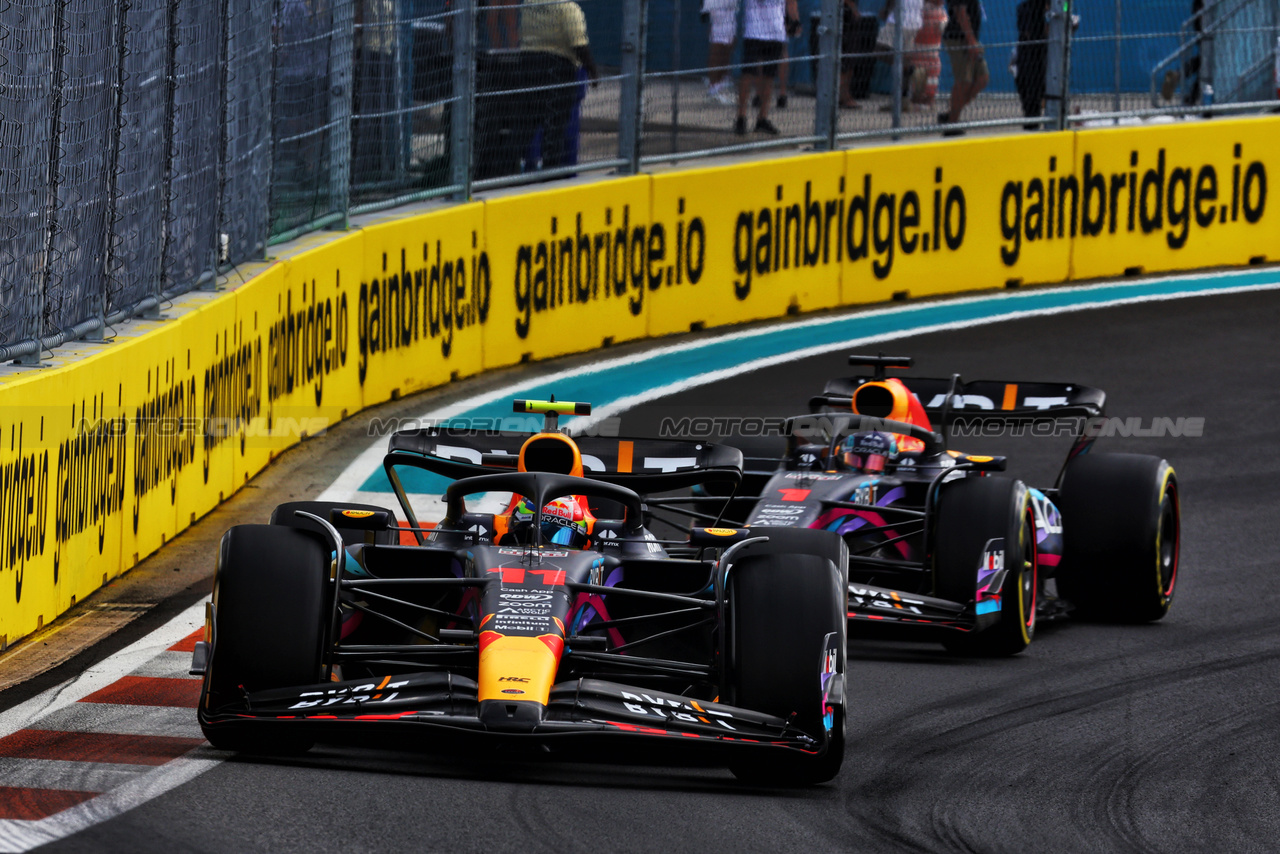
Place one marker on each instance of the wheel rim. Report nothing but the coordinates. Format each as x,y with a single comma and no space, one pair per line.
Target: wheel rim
1026,579
1167,543
1029,581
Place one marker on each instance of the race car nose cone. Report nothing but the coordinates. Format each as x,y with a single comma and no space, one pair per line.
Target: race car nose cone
511,715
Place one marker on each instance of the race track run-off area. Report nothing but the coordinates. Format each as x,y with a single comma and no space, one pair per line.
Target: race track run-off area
1098,738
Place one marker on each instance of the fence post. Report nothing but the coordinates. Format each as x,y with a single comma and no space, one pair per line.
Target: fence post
1057,75
341,45
897,66
635,14
828,77
462,110
224,124
1118,58
675,77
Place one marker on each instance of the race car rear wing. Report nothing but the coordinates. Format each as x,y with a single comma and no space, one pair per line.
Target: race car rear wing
944,399
642,465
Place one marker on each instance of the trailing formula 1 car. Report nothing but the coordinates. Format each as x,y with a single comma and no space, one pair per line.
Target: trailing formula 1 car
560,626
938,540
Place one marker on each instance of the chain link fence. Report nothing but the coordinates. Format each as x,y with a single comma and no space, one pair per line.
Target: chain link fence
243,207
548,92
311,114
402,114
149,146
27,101
135,239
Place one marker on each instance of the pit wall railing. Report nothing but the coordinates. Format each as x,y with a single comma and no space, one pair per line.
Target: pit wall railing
110,453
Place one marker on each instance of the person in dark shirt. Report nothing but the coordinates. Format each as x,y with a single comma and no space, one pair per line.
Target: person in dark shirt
1191,68
968,65
1032,57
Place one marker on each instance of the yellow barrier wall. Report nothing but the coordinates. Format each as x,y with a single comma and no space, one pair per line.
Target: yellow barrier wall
105,458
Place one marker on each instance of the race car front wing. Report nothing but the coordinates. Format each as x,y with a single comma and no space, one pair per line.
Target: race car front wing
445,704
868,603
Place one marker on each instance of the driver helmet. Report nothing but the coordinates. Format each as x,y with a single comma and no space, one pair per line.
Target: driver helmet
564,523
871,452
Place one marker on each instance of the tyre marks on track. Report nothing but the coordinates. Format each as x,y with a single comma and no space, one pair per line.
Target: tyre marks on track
101,743
1003,760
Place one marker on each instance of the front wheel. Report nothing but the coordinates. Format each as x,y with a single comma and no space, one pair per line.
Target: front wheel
269,599
786,598
986,524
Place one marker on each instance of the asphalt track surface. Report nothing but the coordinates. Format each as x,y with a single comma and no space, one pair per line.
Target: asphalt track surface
1098,738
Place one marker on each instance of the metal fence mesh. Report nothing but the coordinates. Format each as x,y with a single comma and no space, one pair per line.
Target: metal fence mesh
137,234
75,281
309,134
548,94
146,144
195,147
28,30
705,93
247,157
1247,45
401,117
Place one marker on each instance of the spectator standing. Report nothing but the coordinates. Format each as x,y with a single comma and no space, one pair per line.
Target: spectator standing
764,37
1032,57
968,65
1192,65
554,46
912,15
926,59
857,54
723,17
794,28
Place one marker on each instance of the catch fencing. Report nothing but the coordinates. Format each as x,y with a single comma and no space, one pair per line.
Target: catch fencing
148,147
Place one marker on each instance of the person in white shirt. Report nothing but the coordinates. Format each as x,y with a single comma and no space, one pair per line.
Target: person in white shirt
912,18
723,17
764,37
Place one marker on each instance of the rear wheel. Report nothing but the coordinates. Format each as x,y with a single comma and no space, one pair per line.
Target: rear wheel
785,597
1121,532
970,514
269,599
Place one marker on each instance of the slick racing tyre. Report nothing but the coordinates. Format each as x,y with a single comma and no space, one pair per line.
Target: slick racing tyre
285,514
970,513
269,601
1120,529
785,596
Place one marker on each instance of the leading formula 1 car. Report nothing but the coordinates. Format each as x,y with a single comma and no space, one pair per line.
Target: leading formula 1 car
559,626
936,540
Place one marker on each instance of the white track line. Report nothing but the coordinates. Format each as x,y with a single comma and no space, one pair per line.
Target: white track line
136,784
104,672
